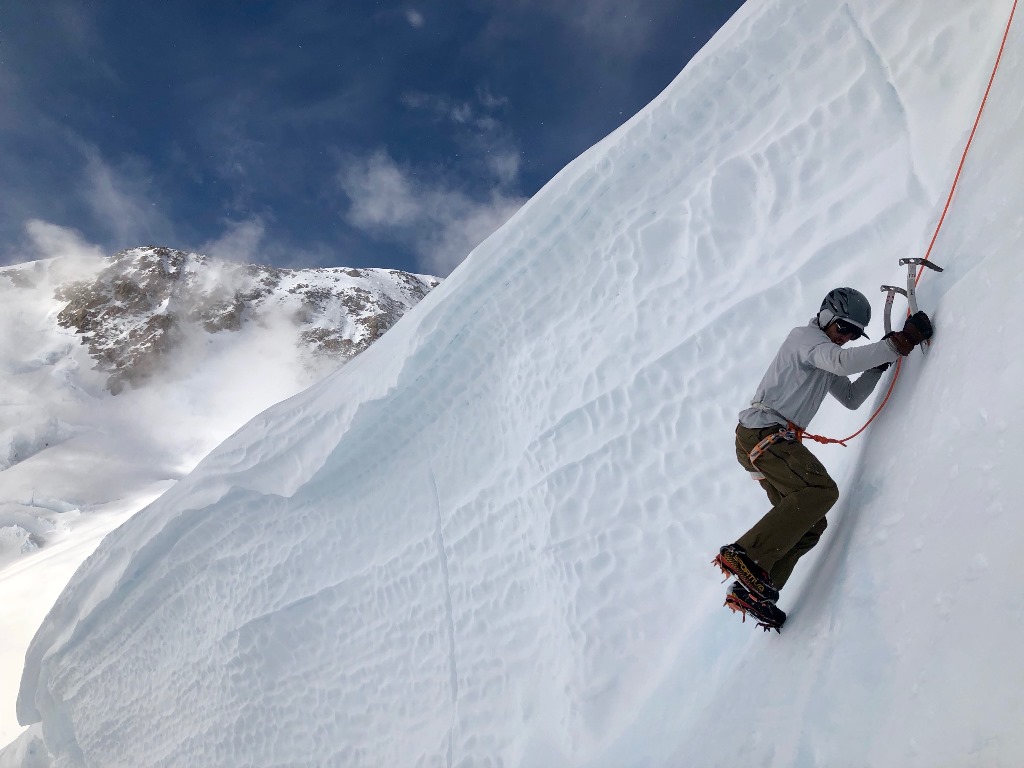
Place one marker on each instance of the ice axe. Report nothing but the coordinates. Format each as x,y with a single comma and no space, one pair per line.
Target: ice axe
910,292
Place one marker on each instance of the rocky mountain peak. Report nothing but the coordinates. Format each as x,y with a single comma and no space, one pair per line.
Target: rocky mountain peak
141,305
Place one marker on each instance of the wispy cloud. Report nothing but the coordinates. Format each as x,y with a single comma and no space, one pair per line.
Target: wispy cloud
441,214
45,240
51,240
415,18
240,242
441,107
621,26
478,113
76,24
480,135
114,204
504,163
122,201
441,223
489,100
614,27
464,224
381,194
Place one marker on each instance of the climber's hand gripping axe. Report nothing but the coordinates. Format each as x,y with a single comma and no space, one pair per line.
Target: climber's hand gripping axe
910,292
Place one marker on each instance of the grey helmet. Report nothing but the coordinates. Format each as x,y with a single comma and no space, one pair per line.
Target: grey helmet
845,304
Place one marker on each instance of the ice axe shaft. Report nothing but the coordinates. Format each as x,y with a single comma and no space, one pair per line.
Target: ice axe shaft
891,291
910,292
912,279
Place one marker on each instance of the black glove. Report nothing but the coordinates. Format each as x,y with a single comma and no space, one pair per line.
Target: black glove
918,328
882,368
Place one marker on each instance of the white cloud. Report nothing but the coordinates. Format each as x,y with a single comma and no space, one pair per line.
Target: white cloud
120,201
415,18
610,28
476,114
239,242
463,228
620,26
488,100
504,164
43,240
441,223
462,113
51,241
482,136
381,194
440,106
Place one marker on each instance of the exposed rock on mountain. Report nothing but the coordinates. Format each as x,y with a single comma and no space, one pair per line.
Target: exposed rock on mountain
213,342
147,300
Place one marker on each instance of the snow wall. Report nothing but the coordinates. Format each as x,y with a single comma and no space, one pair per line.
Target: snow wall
487,541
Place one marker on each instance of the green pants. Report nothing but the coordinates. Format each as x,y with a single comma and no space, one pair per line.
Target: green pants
801,492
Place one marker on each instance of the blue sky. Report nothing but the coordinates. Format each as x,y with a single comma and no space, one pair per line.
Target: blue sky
312,133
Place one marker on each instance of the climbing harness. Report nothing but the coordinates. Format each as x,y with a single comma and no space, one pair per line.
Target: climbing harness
787,434
790,433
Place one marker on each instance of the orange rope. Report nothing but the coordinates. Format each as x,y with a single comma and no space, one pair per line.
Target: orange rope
938,227
888,394
970,139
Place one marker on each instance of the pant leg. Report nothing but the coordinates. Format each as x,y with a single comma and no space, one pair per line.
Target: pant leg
801,493
783,569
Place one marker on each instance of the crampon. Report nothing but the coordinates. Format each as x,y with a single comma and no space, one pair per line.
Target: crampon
765,612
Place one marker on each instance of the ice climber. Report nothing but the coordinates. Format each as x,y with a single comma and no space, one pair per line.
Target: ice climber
810,364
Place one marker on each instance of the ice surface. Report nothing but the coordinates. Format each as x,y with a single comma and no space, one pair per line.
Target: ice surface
486,542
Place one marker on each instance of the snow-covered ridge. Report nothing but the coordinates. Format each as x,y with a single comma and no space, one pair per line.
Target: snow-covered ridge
487,540
144,301
192,331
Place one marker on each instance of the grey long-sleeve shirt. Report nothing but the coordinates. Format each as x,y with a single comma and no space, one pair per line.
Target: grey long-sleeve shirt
809,366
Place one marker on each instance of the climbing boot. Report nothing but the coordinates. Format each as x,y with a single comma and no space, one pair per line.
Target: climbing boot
768,615
735,562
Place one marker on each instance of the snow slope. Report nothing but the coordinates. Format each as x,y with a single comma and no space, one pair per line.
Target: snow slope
487,540
76,461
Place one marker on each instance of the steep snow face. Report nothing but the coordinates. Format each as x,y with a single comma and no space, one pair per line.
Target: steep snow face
487,540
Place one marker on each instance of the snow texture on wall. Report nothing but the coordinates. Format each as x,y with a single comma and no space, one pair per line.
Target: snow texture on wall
487,540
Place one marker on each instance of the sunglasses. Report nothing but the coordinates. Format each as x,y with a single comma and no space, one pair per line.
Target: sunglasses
848,329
